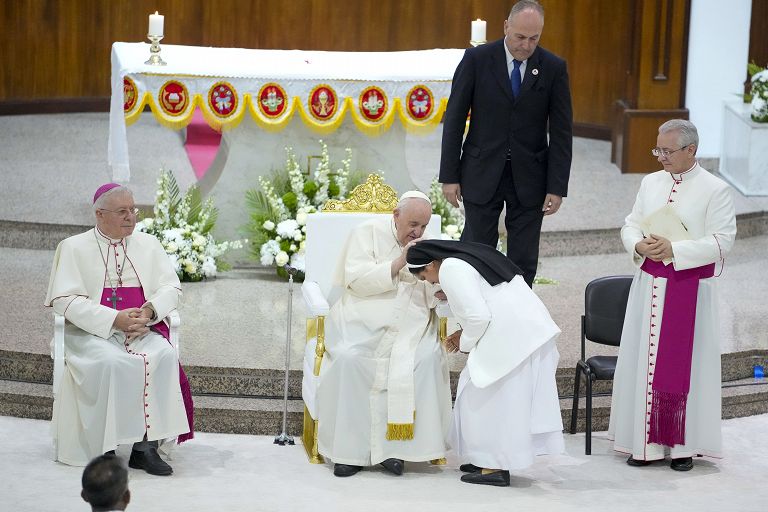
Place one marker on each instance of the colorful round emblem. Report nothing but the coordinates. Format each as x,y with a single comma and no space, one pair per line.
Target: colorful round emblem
373,103
130,94
322,102
272,100
173,97
222,99
420,102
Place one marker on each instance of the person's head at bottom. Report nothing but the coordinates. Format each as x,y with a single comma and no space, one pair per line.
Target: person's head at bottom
105,483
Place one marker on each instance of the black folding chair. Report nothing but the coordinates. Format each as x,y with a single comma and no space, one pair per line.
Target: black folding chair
605,302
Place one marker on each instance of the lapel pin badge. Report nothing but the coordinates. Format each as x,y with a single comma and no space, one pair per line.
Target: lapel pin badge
534,71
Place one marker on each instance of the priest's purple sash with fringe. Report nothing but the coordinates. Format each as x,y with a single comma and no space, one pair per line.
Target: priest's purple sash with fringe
672,376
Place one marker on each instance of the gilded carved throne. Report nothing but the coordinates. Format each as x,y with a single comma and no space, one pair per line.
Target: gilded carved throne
327,233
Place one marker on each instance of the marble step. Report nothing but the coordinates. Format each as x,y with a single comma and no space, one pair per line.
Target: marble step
264,416
259,383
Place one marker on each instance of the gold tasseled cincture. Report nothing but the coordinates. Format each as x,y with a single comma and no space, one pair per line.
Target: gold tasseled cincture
400,431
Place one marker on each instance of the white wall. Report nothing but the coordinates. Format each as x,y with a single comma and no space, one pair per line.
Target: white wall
718,48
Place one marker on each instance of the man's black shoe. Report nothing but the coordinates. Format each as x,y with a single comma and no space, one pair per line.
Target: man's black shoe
345,469
638,463
497,478
394,466
470,468
150,462
684,464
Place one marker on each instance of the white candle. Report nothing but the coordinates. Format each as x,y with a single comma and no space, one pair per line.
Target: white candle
156,24
478,30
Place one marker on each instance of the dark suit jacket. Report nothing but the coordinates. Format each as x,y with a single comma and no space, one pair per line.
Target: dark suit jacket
501,125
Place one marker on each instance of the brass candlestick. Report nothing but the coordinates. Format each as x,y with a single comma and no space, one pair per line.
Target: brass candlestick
477,43
154,50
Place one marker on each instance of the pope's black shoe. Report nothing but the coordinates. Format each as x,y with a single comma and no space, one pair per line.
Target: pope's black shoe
683,464
150,462
345,469
470,468
497,478
394,466
638,463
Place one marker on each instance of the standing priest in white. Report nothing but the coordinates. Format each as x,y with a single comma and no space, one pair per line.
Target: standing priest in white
383,394
122,381
666,391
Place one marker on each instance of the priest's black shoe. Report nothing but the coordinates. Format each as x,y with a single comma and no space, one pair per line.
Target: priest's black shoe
470,468
684,464
150,462
394,466
345,469
497,478
638,463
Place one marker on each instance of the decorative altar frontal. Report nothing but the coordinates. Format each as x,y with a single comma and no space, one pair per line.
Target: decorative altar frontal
272,86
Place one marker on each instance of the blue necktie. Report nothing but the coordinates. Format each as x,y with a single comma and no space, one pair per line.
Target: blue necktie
514,77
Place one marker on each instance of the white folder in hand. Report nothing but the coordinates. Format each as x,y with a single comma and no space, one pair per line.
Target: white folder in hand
664,222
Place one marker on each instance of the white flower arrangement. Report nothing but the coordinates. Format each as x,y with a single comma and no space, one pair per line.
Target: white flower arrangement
452,219
760,96
279,210
183,225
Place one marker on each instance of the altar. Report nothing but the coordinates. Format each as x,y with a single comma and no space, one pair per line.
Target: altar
385,106
369,90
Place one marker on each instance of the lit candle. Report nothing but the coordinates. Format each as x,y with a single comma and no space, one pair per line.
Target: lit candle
156,24
478,30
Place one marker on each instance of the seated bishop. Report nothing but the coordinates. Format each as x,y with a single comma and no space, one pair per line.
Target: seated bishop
122,381
383,395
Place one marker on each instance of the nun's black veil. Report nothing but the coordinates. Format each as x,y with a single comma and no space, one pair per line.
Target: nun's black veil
492,265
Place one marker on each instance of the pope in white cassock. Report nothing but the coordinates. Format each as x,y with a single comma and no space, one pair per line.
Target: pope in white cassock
667,385
122,381
383,395
507,409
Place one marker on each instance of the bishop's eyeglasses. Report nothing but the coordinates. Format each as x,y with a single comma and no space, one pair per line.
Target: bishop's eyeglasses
665,152
123,212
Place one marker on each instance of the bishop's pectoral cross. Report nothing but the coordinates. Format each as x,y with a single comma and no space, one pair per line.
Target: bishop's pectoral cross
113,299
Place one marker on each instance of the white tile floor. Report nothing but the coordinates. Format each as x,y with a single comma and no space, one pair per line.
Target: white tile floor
247,473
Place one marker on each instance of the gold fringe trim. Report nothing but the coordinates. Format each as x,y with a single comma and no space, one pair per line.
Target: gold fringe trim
399,431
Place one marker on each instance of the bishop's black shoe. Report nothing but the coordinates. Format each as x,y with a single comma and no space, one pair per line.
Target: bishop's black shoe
470,468
497,478
345,469
150,462
683,464
394,466
638,463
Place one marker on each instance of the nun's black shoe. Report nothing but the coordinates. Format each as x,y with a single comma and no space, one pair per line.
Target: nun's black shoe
497,478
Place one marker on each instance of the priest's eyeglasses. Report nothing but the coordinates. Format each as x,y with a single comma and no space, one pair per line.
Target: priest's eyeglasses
123,212
665,152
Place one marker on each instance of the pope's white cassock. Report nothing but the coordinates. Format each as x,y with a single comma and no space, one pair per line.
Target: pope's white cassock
384,374
704,205
507,409
111,392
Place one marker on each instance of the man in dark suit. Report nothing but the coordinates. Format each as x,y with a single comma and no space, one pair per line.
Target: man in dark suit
517,93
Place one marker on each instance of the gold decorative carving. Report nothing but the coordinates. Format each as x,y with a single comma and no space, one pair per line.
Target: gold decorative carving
373,196
320,347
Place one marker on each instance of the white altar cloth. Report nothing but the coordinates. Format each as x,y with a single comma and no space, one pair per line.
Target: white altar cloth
298,75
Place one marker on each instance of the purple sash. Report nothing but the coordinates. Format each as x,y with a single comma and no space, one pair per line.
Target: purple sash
672,375
133,297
